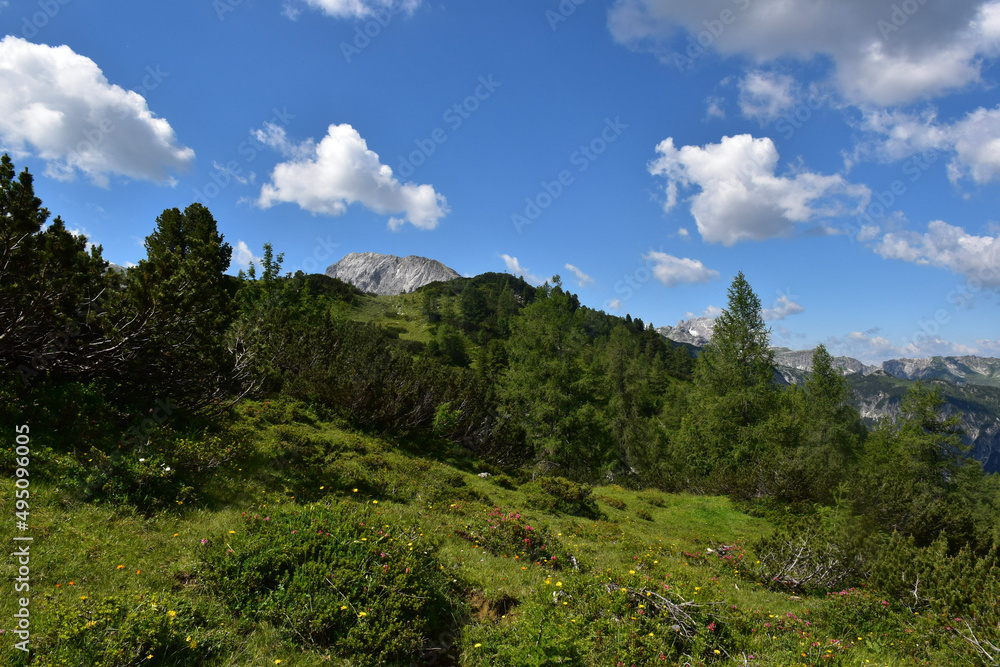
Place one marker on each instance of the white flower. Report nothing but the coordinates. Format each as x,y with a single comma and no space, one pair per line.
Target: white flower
142,460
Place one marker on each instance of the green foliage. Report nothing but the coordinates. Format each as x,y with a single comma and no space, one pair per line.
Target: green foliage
509,535
558,494
617,503
173,312
644,514
915,476
120,631
335,577
50,285
729,437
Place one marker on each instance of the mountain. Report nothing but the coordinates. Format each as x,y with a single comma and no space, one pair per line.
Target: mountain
388,274
970,385
697,331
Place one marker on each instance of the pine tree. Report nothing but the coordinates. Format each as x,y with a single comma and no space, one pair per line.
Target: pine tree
178,293
50,284
724,440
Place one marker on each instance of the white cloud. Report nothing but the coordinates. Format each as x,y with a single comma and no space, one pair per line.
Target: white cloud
782,308
990,346
973,141
358,9
244,257
741,198
672,271
872,348
514,267
58,105
615,304
947,246
341,170
880,53
582,279
765,96
977,146
715,109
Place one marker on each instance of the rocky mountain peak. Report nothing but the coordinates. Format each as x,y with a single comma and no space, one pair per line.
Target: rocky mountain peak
388,274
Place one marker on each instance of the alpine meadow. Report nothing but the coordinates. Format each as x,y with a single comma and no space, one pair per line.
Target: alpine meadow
600,333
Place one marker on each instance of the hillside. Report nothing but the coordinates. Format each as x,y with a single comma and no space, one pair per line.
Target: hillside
521,574
970,385
273,469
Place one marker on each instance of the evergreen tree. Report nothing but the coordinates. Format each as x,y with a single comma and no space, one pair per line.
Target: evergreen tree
830,433
916,477
725,438
179,295
50,285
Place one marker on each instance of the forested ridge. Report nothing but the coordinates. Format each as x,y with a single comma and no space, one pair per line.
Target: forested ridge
173,394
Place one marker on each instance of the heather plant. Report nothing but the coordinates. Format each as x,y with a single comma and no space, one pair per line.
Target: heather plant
335,577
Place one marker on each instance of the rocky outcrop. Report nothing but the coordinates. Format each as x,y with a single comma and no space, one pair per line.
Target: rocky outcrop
387,274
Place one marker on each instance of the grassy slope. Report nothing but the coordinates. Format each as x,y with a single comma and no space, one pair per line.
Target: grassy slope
515,611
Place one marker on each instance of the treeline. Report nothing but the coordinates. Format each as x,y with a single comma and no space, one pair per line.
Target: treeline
524,376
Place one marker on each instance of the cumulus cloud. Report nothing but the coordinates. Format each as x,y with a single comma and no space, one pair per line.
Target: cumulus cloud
672,271
357,9
765,96
615,304
244,257
741,197
947,246
582,279
341,170
781,309
881,53
973,140
514,267
58,105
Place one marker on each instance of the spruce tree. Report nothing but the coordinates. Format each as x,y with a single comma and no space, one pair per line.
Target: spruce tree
724,439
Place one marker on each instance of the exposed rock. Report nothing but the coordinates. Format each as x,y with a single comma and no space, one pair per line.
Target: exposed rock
388,274
696,331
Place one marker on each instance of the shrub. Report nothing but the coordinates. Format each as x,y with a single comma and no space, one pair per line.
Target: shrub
644,514
336,577
120,631
508,534
504,481
558,494
617,503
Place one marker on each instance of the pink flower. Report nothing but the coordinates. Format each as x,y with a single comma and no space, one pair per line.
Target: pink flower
204,541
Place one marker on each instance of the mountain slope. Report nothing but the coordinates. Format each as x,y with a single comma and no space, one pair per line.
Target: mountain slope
387,274
970,385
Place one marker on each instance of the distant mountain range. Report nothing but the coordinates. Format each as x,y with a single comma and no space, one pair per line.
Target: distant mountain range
387,274
968,384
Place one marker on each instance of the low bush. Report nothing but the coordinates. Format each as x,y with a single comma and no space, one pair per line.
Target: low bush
613,502
557,494
333,577
120,631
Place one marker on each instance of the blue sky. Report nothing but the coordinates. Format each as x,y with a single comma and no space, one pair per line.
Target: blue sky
844,155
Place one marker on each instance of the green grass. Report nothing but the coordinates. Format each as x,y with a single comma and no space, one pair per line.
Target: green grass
506,608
